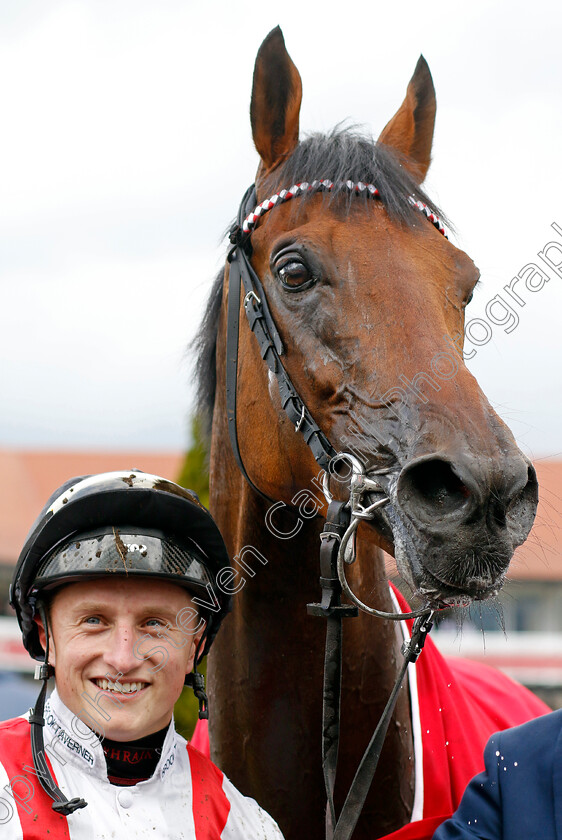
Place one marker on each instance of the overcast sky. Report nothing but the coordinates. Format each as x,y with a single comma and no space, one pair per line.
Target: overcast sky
125,148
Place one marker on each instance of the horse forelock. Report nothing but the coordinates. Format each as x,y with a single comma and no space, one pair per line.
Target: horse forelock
346,154
342,154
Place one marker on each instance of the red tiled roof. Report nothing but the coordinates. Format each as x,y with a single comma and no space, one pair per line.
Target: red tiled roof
29,478
540,557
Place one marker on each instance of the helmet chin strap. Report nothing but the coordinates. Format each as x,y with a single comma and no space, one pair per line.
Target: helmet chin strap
61,804
197,680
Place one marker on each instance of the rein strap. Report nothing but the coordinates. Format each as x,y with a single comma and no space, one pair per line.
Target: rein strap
331,608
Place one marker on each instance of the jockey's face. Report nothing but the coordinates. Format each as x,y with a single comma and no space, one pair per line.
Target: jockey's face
121,648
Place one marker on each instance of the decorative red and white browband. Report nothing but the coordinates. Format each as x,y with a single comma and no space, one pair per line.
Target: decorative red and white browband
319,186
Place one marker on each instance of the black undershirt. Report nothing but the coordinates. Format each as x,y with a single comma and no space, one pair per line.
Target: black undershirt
129,762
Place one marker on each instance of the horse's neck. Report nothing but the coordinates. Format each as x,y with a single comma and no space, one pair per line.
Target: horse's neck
257,533
276,556
266,670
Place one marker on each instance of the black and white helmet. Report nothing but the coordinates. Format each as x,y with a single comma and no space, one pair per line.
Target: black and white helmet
121,523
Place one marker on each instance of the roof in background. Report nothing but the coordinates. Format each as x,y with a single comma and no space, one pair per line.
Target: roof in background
540,557
29,478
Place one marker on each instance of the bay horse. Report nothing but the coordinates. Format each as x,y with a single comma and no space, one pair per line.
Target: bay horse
368,298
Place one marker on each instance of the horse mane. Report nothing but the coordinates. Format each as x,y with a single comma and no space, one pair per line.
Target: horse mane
341,155
204,345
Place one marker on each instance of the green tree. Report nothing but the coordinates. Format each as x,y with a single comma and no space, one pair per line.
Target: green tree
195,470
195,476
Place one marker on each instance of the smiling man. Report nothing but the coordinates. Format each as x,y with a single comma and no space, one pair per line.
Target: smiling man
119,590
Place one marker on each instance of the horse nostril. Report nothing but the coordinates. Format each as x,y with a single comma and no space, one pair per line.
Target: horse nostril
513,506
522,507
433,487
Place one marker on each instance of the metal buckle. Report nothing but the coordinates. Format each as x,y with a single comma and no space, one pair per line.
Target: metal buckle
301,420
326,534
249,295
43,672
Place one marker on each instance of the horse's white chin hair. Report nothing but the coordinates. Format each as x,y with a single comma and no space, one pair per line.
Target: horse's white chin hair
455,601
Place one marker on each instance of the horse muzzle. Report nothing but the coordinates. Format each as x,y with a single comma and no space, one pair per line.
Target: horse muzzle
455,524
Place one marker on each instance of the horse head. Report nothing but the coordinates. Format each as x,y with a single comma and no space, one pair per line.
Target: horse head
369,300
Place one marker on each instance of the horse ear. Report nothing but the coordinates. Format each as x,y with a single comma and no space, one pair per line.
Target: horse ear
410,131
276,101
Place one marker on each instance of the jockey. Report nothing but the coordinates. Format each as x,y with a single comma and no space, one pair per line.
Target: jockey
119,591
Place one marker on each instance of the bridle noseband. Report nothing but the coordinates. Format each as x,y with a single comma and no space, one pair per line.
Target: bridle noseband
343,518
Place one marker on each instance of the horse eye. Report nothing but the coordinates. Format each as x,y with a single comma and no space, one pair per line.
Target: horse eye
469,298
295,275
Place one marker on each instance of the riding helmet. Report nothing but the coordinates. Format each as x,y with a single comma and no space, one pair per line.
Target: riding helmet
127,524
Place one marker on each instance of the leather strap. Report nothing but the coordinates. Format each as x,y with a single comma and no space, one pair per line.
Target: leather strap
270,344
232,370
61,804
337,521
361,784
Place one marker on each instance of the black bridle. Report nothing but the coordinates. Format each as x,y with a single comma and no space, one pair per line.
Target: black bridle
271,347
336,546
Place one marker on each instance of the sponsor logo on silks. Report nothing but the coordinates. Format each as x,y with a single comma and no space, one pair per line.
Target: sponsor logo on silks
128,756
169,761
69,742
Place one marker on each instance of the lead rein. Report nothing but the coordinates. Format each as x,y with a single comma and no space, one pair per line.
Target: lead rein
341,523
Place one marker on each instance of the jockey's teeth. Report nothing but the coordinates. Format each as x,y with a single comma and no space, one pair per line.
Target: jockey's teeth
122,688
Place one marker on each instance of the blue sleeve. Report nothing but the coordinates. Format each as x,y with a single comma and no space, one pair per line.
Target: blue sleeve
479,814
